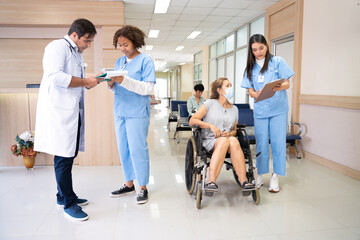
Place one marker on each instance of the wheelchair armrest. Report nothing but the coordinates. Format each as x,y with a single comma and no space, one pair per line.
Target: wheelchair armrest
241,126
299,125
194,126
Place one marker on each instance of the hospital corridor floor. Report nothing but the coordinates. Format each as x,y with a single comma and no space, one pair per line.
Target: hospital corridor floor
315,202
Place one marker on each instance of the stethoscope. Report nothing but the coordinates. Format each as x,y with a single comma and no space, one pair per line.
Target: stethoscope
71,46
71,50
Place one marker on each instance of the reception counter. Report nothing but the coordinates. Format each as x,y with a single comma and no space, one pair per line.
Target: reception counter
18,114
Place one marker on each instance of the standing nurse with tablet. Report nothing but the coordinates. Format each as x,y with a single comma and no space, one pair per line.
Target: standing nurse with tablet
270,115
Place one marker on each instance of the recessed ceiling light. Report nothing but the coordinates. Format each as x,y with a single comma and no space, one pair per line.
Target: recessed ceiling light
149,47
181,63
179,48
154,33
161,6
166,70
194,34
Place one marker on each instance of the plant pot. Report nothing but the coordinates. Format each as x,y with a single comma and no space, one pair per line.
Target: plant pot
29,161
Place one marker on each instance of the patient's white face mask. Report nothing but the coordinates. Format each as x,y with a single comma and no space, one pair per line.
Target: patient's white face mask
229,93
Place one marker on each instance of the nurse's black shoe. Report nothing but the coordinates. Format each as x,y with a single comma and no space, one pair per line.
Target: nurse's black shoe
142,196
122,191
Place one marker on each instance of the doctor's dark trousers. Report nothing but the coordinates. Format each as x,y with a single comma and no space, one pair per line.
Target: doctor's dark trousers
63,167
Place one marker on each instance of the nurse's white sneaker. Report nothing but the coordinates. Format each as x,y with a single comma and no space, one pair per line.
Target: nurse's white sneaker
259,181
274,183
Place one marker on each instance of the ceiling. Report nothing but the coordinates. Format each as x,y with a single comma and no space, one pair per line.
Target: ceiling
214,18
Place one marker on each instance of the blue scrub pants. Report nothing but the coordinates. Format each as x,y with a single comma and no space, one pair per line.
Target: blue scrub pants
275,128
63,167
131,134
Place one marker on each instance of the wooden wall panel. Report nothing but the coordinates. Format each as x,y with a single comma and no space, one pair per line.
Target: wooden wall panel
108,35
14,119
21,61
100,141
43,158
186,95
110,57
283,18
23,54
331,101
282,22
60,13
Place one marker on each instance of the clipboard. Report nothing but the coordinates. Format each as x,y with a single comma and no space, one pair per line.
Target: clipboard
267,91
108,74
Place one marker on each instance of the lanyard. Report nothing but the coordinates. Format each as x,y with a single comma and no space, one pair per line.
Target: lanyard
122,67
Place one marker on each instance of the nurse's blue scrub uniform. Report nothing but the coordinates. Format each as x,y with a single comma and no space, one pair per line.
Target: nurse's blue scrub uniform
132,119
270,116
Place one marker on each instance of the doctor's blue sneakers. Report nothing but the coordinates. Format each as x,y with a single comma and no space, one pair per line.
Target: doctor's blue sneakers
75,213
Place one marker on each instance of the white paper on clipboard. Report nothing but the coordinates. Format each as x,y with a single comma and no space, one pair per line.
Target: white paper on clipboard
267,91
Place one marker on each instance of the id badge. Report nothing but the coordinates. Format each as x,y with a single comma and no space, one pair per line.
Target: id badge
261,78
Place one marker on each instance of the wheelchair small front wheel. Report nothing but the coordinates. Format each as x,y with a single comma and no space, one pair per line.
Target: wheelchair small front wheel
198,196
256,196
190,165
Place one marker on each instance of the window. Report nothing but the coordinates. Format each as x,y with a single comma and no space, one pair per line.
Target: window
220,47
230,49
229,43
213,50
258,26
197,67
242,37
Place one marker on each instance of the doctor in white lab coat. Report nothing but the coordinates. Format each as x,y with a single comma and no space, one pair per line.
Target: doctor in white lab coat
59,126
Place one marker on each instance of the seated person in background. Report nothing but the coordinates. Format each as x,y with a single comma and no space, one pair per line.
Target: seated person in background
194,102
219,120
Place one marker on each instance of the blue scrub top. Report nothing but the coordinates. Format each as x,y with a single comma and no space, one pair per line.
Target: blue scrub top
128,103
278,104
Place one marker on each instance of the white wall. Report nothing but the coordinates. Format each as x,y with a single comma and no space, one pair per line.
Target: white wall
331,50
330,66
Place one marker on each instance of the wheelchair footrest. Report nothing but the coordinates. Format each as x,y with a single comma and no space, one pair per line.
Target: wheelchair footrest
209,194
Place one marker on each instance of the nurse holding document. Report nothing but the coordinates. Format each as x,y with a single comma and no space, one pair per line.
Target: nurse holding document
132,110
270,114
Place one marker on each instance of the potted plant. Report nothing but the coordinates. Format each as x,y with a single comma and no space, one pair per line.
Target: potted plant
25,147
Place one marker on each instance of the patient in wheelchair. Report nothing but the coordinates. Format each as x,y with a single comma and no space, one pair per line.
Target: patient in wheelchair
218,118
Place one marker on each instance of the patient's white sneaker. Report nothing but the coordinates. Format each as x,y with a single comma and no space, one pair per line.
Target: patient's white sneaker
259,181
274,183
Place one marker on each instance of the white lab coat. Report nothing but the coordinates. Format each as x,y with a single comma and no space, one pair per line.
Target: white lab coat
58,106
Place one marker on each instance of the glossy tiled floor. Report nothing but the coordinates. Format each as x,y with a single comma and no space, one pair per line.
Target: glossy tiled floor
314,202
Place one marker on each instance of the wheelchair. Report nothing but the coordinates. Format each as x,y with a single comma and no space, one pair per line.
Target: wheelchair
196,164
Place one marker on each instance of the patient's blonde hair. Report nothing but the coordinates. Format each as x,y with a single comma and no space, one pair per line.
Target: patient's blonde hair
214,87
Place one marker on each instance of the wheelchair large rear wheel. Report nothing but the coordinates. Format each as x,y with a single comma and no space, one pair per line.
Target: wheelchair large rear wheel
190,165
